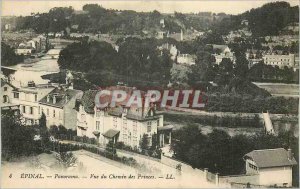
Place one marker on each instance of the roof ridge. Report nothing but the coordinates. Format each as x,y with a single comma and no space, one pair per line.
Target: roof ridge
269,149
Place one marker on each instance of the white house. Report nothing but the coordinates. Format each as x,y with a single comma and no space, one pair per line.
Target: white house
58,106
120,124
28,98
273,166
186,59
7,92
222,51
279,60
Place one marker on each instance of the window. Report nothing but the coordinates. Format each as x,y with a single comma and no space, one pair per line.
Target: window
97,125
157,122
5,88
115,121
39,110
53,113
47,112
31,110
35,98
134,126
16,95
97,113
149,126
5,98
124,123
252,166
24,109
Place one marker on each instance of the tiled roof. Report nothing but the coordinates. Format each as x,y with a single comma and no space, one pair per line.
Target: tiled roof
63,96
271,158
88,101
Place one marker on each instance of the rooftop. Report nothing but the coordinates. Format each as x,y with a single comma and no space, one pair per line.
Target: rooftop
271,158
59,97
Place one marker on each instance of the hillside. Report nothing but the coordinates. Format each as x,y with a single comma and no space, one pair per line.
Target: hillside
94,19
269,19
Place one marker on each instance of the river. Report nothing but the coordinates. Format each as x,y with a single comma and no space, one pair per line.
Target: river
32,72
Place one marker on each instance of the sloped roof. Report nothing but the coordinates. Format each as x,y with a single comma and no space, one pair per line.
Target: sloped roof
111,133
60,95
88,101
271,158
3,82
220,47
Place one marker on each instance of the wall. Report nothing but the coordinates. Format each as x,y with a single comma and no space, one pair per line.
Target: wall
276,175
184,167
242,179
70,114
8,93
50,118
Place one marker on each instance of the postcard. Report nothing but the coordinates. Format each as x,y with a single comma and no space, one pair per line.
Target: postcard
149,94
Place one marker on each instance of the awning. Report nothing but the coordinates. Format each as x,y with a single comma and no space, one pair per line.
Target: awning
96,133
82,128
164,128
111,133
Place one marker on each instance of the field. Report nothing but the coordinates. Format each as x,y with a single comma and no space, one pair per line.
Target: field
280,89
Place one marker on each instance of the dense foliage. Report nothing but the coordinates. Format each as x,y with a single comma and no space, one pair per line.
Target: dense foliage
8,56
221,153
17,140
269,19
137,62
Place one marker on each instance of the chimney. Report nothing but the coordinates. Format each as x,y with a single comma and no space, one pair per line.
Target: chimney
290,154
54,99
48,98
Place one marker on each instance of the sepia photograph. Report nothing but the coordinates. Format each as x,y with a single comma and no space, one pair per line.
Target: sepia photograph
149,94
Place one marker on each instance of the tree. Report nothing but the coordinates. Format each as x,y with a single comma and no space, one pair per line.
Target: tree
44,133
154,144
66,159
110,148
8,56
16,139
144,144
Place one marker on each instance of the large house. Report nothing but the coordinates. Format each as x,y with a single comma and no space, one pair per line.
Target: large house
186,59
120,123
55,101
279,60
7,97
28,98
58,106
222,51
273,166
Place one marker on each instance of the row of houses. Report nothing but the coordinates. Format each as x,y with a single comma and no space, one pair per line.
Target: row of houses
76,110
35,45
273,58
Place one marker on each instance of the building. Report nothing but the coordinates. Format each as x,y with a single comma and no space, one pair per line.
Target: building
28,98
273,166
24,50
222,51
186,59
120,123
171,48
279,60
7,92
58,106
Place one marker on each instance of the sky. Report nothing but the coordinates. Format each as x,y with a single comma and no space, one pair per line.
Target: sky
21,7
